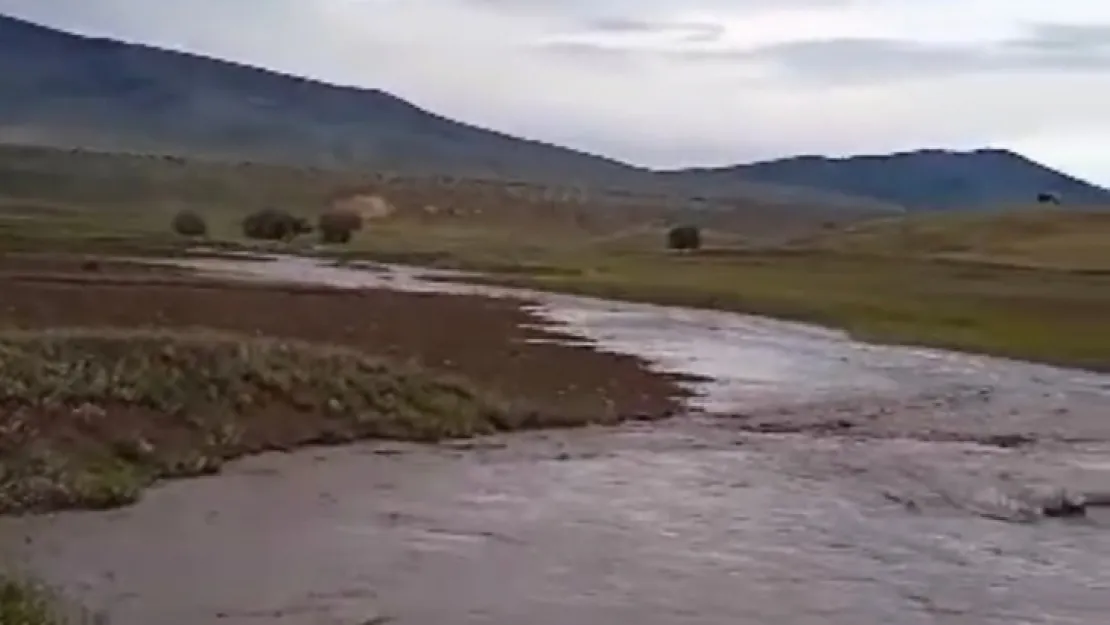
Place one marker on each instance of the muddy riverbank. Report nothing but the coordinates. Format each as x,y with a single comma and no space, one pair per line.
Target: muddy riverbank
820,482
496,343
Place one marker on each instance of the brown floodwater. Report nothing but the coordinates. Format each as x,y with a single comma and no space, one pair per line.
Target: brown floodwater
816,480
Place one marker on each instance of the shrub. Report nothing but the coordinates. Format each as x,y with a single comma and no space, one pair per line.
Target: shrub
271,224
189,224
684,238
336,226
1048,197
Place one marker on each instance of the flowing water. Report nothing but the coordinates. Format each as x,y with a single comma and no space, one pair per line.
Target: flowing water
817,481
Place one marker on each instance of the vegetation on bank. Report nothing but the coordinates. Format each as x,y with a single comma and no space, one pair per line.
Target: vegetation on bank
94,416
25,602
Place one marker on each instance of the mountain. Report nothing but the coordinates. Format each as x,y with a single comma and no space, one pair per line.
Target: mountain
60,89
64,90
929,179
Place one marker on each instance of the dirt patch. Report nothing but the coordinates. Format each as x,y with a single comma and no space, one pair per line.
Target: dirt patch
368,207
12,265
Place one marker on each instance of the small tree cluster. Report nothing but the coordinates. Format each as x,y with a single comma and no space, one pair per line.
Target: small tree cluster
337,226
271,224
189,224
684,238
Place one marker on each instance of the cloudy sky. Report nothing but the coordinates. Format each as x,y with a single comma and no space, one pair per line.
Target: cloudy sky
682,82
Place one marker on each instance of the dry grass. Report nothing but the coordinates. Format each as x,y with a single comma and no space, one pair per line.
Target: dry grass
91,417
1028,285
1069,240
52,199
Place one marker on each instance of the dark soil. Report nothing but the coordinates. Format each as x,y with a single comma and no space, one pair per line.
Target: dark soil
479,338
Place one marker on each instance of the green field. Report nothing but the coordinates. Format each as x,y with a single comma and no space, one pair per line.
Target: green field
1029,284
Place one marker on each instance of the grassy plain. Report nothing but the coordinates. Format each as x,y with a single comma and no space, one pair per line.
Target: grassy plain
1032,284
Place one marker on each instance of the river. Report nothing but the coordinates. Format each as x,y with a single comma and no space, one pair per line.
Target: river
816,480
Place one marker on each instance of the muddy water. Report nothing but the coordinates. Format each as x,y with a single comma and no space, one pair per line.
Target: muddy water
897,514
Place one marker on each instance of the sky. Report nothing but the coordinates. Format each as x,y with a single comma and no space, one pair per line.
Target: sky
671,83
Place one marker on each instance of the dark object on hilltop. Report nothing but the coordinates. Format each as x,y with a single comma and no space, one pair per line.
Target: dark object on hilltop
337,226
684,238
189,224
1048,198
270,224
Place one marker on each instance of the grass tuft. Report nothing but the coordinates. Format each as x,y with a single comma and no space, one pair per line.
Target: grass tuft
24,602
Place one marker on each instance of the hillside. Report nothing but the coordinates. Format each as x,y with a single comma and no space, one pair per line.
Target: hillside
61,89
65,90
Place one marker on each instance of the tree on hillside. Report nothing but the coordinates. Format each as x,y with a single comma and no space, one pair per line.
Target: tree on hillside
189,224
271,224
684,238
337,226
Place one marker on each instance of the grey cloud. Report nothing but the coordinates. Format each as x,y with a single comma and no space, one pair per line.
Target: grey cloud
1052,37
682,30
593,9
1057,48
836,60
861,60
587,52
1063,46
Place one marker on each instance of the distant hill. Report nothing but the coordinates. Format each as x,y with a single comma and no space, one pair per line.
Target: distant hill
63,90
929,179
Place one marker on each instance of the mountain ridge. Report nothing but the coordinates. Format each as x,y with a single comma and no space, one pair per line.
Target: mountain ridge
928,178
67,90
